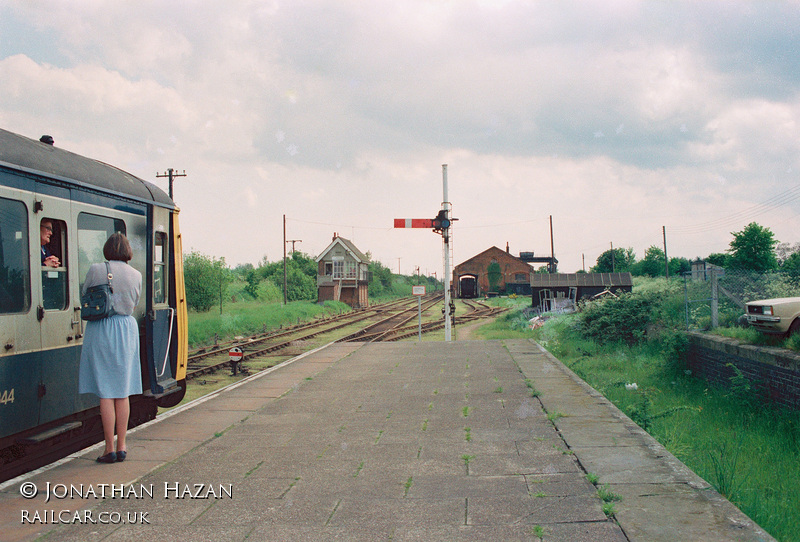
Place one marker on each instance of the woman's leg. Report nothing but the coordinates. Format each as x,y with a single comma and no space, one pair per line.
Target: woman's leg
108,416
123,412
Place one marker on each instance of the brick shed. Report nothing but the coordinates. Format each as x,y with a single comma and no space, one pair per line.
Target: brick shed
471,278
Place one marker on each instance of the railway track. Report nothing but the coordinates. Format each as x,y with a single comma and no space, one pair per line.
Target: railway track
261,347
386,322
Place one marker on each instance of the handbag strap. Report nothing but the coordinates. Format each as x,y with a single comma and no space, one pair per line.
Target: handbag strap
109,276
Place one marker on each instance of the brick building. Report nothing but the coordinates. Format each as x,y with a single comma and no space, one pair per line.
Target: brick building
343,274
471,278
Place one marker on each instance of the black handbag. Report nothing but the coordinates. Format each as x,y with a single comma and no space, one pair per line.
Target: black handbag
96,302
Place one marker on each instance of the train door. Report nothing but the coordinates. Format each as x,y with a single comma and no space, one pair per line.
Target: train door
161,319
19,329
58,310
58,301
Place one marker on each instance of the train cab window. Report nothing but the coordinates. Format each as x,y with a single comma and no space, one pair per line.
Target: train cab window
159,268
53,235
15,282
93,232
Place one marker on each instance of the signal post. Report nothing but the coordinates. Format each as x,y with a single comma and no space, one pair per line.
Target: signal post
440,224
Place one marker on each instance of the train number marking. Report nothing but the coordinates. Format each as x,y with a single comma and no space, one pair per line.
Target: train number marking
7,396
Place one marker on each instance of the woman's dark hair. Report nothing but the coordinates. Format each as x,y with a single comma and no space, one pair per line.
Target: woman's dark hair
118,248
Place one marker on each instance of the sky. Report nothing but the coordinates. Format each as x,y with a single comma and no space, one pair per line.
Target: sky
619,119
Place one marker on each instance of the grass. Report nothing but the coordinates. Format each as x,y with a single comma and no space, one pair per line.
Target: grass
748,450
248,317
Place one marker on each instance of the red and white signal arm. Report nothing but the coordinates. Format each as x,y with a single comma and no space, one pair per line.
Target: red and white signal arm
236,353
418,290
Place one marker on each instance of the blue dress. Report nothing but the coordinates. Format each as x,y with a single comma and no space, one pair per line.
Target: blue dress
110,358
110,366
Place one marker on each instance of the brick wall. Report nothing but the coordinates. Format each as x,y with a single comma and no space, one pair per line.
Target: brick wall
773,372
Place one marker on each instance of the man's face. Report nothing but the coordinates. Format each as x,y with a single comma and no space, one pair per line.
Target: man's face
46,230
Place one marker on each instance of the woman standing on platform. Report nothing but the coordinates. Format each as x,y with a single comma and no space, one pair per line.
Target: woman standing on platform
110,354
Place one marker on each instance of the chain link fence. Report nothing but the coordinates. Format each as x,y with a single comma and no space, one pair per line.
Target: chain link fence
717,297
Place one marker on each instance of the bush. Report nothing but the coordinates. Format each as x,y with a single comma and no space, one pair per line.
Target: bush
625,318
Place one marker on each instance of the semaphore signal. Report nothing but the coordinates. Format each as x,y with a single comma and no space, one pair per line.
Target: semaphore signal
440,224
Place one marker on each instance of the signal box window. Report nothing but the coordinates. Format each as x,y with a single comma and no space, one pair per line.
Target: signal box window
159,268
15,282
93,232
53,235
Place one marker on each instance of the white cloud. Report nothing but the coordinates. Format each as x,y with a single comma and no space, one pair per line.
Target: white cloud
615,118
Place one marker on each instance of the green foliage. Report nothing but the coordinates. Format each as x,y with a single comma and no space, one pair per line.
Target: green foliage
718,259
206,279
617,260
753,248
301,278
720,437
494,275
652,264
618,319
791,267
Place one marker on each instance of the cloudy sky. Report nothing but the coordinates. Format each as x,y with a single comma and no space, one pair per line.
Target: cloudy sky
616,118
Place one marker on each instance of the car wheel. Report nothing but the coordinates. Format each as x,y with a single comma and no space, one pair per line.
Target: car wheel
794,328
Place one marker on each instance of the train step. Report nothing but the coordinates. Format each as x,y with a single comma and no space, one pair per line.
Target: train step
50,433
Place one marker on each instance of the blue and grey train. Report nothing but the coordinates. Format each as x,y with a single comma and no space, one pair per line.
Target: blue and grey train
79,202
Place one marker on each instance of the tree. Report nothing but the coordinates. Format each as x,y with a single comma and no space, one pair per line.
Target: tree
791,266
621,260
205,279
718,259
679,266
652,264
753,249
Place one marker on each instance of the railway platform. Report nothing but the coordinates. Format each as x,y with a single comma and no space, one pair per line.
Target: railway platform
383,441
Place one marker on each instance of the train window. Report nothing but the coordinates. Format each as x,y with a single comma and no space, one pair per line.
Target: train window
93,232
159,267
15,282
53,235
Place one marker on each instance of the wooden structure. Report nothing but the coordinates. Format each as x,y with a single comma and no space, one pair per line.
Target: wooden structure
551,290
471,278
343,274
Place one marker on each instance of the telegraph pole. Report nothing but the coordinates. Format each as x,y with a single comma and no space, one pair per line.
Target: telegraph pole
293,241
171,173
284,260
666,259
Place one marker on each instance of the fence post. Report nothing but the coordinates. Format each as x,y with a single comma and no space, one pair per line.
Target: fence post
686,299
714,299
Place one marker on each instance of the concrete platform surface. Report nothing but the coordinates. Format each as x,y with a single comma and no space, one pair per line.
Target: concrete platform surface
397,441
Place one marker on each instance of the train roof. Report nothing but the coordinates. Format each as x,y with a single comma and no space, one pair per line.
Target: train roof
21,153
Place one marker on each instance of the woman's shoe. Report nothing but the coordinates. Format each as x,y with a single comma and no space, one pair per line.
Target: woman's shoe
110,457
121,455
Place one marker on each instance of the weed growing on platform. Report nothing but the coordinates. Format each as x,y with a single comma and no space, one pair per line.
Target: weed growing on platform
534,391
467,459
407,485
467,434
538,532
498,389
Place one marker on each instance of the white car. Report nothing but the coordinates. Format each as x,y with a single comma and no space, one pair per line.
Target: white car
777,316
